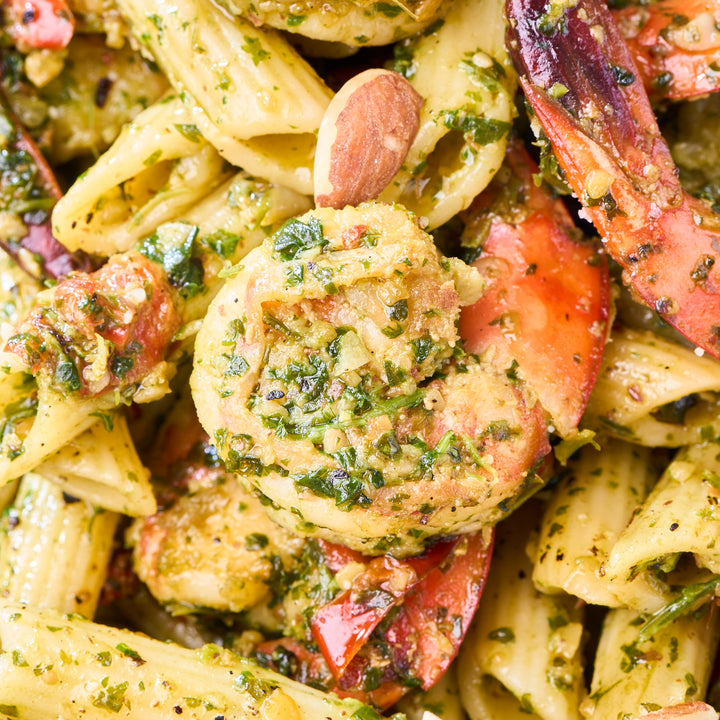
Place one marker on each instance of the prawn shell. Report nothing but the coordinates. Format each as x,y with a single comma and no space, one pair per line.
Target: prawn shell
583,87
547,302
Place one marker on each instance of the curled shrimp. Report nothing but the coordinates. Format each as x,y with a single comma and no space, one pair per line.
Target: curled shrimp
354,23
675,44
330,374
582,85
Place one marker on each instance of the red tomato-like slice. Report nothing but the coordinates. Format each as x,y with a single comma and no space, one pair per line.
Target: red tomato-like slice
546,306
342,627
423,637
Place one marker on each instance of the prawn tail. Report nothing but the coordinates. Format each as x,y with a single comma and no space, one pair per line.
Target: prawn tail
584,91
579,66
676,45
28,202
546,304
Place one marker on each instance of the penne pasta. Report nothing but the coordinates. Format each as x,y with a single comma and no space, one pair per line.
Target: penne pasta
158,167
102,467
247,81
587,513
462,71
522,656
641,375
54,548
343,21
673,667
679,516
92,670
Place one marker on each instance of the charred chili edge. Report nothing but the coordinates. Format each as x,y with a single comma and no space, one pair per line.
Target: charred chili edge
55,260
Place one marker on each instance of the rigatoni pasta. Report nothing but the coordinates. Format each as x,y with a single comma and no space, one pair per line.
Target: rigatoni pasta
583,520
642,377
54,548
523,655
247,81
671,668
462,71
91,669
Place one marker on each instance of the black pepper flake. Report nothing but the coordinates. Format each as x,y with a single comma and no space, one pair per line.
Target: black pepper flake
275,395
103,90
69,499
178,710
622,76
337,476
29,14
674,527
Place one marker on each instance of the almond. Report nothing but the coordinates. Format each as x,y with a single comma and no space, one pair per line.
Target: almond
364,137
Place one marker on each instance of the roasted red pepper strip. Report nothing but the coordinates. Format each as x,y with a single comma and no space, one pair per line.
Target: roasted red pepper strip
42,24
423,636
342,627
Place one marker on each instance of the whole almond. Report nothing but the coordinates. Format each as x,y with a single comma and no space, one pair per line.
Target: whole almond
364,137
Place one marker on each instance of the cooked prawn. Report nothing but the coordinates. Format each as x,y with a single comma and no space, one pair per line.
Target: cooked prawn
45,24
675,44
213,547
330,373
582,85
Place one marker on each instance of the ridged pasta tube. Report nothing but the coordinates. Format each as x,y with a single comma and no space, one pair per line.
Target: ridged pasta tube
249,82
91,670
54,548
585,516
522,656
463,72
642,372
102,467
681,515
672,668
157,168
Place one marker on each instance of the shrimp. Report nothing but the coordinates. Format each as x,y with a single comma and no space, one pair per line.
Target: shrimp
675,44
330,374
354,23
99,339
28,192
214,547
42,24
582,84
